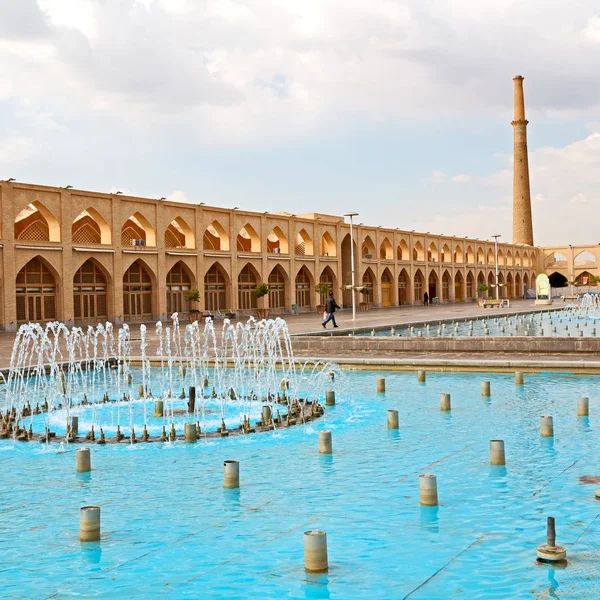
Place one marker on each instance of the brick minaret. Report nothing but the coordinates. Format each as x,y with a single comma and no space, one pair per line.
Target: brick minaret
522,222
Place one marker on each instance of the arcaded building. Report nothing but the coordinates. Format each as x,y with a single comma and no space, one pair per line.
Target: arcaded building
83,257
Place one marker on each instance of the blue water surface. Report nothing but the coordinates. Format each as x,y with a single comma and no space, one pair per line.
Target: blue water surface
170,530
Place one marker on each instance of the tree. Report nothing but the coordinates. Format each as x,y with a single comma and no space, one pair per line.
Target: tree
261,290
482,287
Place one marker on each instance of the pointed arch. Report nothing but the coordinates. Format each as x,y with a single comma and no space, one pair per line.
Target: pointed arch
501,260
368,248
433,285
90,227
368,284
480,256
386,286
277,283
304,244
471,286
215,237
328,277
418,286
525,259
37,223
90,293
470,255
490,257
403,287
518,286
446,282
386,252
534,259
180,280
501,285
418,252
277,242
458,254
36,292
585,259
510,290
179,234
304,286
517,259
446,256
216,288
582,278
558,280
432,253
138,288
402,251
247,239
328,247
137,231
247,283
459,287
509,258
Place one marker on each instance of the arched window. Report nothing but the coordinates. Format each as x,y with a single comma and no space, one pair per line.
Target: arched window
459,284
368,281
137,292
418,286
446,254
585,259
36,293
446,286
403,253
490,257
248,240
247,284
458,255
386,287
480,256
327,245
470,255
276,285
403,284
178,285
215,297
470,285
510,291
215,237
277,243
517,259
303,288
90,300
432,253
137,231
179,235
418,252
304,245
368,248
501,260
386,252
37,224
90,227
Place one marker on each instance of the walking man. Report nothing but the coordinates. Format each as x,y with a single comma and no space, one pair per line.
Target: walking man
330,306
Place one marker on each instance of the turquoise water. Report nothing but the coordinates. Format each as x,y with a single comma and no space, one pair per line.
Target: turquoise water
560,323
169,529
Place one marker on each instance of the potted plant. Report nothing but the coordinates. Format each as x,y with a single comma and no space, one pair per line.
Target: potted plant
364,290
322,288
260,292
193,296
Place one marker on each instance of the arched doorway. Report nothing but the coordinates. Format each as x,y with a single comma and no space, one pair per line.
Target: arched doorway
510,292
137,292
247,284
368,282
403,283
458,287
518,286
36,293
303,288
446,287
557,280
386,287
418,286
90,299
432,287
277,288
327,277
215,297
470,286
178,285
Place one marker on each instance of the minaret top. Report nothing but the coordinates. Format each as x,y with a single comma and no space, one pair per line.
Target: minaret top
519,99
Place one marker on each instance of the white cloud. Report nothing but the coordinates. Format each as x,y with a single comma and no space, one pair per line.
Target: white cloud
178,196
461,178
15,149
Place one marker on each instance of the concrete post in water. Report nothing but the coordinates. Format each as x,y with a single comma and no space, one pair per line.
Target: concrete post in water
380,385
497,456
551,551
231,474
583,406
73,426
519,378
89,523
128,379
485,388
205,382
182,370
189,432
141,391
421,376
330,398
83,462
159,408
315,551
445,402
192,399
325,445
266,415
392,419
546,426
428,495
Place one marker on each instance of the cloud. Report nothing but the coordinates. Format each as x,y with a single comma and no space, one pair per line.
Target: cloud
461,178
178,196
16,149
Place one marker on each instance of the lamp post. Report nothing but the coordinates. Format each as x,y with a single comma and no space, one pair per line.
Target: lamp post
350,215
496,263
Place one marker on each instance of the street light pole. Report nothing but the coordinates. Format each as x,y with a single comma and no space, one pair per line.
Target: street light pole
496,263
350,215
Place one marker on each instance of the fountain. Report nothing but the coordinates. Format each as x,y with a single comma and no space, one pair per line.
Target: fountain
86,379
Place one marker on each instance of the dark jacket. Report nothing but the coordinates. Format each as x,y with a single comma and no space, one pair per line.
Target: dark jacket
331,305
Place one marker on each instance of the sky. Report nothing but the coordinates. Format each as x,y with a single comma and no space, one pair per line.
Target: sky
399,111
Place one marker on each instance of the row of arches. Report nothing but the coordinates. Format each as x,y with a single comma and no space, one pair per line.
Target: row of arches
583,259
37,289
